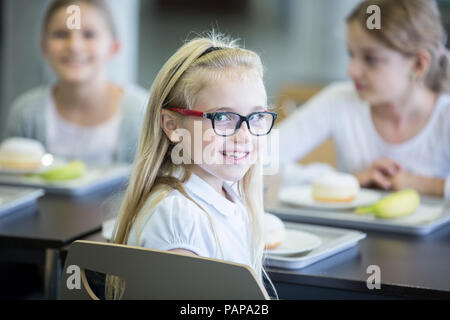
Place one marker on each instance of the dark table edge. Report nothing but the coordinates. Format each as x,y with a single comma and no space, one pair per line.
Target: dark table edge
13,242
387,289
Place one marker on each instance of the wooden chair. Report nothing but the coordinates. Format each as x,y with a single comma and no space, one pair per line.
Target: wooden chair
289,98
155,274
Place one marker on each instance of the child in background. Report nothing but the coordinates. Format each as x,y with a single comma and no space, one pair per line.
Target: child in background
391,125
209,100
83,115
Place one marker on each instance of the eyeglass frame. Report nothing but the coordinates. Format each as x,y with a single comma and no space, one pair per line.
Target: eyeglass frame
210,115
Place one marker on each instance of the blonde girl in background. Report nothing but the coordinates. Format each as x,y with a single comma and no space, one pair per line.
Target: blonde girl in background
390,125
82,115
191,207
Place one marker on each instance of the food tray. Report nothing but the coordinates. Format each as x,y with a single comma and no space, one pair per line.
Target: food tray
334,240
431,215
13,198
94,179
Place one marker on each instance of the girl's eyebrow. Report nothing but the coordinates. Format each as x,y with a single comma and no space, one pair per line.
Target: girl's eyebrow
254,109
366,49
371,50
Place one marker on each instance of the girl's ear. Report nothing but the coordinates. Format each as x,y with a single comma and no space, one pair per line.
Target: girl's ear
115,48
421,64
169,125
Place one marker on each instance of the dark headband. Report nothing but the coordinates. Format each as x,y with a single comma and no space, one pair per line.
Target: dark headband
210,49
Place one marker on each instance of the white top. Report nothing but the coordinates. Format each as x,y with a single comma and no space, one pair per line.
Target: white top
27,118
94,144
177,222
339,113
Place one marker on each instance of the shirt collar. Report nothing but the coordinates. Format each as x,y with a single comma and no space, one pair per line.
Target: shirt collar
208,194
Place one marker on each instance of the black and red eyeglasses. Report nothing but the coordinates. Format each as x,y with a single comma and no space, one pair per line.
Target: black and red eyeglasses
227,123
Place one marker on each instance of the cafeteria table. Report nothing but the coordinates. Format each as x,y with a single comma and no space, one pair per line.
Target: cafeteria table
411,266
37,234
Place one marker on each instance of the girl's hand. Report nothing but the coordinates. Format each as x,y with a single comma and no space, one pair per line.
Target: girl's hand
424,185
379,174
404,179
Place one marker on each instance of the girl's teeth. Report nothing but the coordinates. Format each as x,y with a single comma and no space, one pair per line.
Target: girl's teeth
236,155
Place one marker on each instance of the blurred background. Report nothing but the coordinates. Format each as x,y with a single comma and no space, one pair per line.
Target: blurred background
302,44
300,41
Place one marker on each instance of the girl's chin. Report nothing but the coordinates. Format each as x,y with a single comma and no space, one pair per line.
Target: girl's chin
366,96
229,173
75,75
235,174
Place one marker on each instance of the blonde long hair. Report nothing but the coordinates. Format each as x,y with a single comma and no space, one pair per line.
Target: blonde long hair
177,84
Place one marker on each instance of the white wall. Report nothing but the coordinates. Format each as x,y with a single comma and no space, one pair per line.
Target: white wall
300,41
319,36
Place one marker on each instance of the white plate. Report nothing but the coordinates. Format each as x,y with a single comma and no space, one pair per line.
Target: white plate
302,196
296,241
334,240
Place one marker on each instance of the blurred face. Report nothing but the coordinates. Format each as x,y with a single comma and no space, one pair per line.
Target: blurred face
380,74
226,158
78,56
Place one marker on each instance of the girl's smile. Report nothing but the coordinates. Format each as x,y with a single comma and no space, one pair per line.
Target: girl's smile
74,62
359,87
235,157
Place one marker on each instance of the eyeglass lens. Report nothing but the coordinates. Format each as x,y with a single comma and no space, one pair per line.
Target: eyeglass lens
225,123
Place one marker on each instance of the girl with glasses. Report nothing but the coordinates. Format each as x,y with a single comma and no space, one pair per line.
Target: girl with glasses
204,126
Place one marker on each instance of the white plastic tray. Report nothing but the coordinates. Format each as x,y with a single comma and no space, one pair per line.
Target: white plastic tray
334,240
13,198
95,178
431,215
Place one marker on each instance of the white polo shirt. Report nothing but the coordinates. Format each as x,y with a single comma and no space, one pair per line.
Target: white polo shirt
177,222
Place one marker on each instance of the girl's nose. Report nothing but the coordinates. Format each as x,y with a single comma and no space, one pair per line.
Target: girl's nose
242,134
75,41
354,68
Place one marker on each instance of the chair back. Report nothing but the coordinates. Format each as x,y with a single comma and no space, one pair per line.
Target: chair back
155,274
